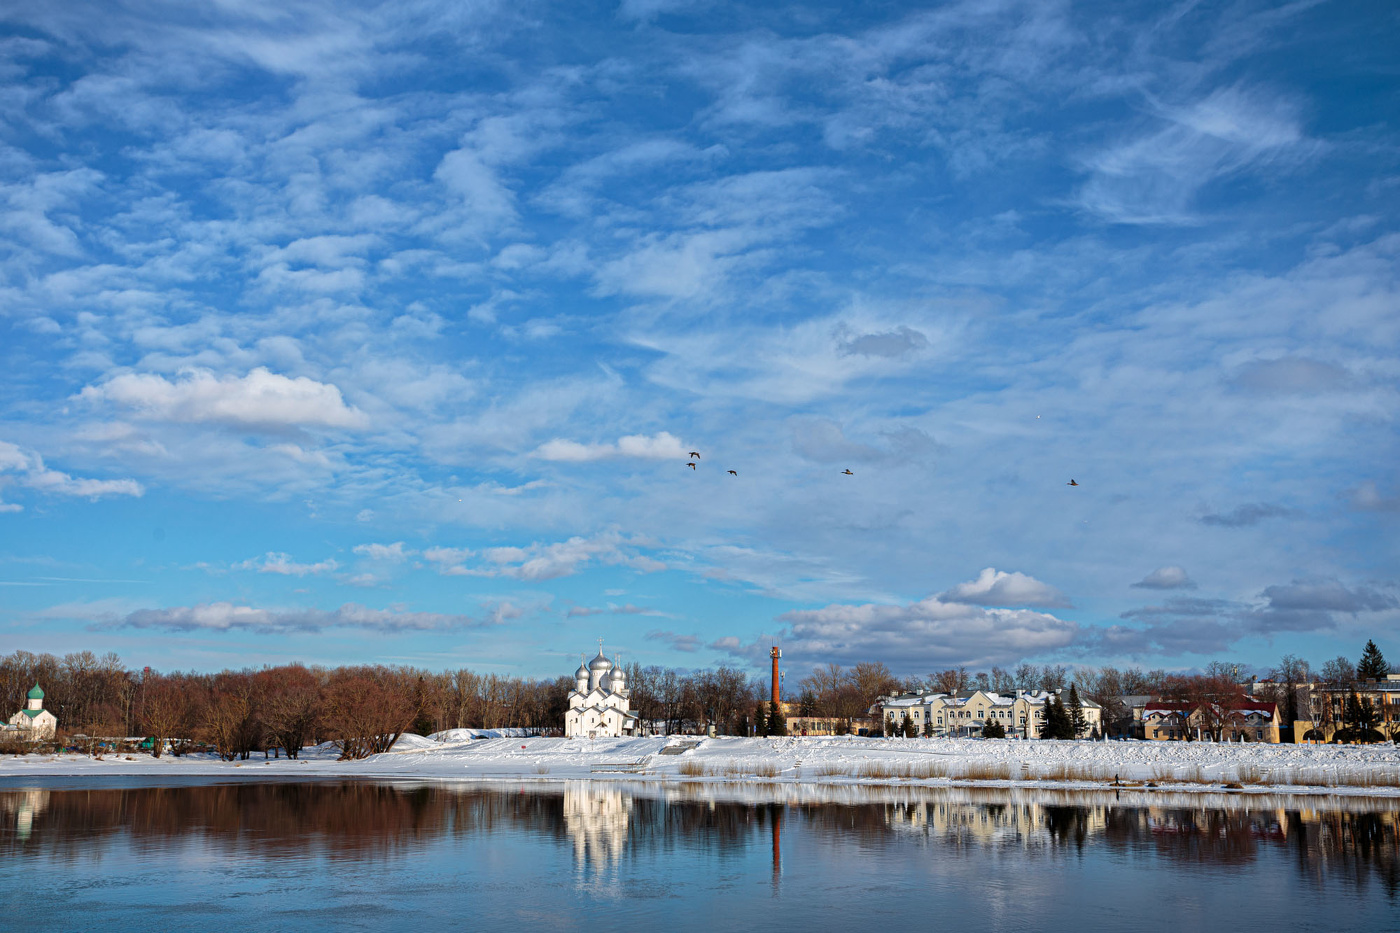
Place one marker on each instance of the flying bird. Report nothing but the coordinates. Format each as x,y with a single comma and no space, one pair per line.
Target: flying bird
695,454
733,472
691,465
1071,483
848,472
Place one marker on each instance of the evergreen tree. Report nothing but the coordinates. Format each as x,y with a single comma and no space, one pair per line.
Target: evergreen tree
993,730
906,726
760,720
1358,716
1057,721
1372,665
928,728
777,722
1077,723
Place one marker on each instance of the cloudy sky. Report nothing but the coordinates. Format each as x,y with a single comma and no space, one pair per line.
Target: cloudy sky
348,332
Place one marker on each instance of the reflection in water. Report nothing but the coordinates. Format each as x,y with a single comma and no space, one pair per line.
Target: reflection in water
596,816
1331,843
22,807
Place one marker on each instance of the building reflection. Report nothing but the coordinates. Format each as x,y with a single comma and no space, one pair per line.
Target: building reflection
1329,840
596,817
22,807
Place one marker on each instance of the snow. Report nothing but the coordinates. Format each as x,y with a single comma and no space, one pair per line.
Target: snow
477,755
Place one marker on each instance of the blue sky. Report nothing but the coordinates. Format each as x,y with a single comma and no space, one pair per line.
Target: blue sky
351,332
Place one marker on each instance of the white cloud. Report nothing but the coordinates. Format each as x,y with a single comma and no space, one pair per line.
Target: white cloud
537,562
661,446
913,639
226,617
279,563
1154,178
627,609
389,553
999,588
450,561
27,469
261,398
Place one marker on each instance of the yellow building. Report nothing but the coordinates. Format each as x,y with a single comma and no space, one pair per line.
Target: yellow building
1244,721
966,714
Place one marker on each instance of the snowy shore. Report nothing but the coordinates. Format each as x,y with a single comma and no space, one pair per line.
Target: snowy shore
797,762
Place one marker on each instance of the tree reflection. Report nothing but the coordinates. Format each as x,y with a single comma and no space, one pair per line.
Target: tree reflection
1333,841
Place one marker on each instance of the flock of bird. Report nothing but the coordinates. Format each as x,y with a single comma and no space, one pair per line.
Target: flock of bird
695,458
695,455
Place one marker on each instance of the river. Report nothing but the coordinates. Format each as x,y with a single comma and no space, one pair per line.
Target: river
84,854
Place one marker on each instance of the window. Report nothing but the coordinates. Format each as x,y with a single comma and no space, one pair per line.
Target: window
981,714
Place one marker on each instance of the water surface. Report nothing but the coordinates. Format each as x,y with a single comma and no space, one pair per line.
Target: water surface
336,855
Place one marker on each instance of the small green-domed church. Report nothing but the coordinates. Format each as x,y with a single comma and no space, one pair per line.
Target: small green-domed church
35,721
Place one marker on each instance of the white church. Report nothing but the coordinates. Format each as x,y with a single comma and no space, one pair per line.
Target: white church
35,721
598,704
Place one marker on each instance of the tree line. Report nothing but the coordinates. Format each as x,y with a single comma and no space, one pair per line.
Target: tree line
366,707
363,709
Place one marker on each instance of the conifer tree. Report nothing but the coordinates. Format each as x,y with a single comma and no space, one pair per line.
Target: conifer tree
777,723
760,723
906,726
1057,721
1372,665
993,730
1077,723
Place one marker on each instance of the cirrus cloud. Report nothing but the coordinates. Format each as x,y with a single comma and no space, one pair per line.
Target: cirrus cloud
227,617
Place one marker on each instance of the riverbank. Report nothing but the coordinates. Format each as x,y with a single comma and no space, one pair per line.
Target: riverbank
454,756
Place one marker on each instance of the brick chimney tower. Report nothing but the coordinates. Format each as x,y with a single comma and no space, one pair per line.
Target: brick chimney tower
775,654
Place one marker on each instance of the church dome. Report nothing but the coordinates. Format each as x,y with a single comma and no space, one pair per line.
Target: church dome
600,665
619,679
35,693
581,673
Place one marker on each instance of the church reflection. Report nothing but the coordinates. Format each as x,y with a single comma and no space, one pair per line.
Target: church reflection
1350,840
596,817
20,809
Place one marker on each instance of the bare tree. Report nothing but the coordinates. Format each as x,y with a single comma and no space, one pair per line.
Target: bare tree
367,709
291,705
167,707
952,680
1339,671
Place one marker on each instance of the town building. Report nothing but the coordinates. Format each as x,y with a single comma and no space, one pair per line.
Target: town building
966,713
599,705
817,725
1327,708
35,722
1238,720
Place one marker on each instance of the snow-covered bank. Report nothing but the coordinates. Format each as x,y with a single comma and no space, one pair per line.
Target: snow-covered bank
1352,770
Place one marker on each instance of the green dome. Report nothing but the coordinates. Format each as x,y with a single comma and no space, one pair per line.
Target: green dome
36,693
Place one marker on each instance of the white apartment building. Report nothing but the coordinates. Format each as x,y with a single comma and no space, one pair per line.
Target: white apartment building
1022,714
